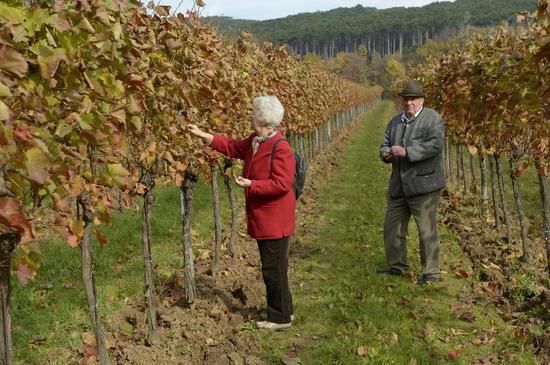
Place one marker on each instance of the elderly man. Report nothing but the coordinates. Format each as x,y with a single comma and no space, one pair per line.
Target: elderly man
413,144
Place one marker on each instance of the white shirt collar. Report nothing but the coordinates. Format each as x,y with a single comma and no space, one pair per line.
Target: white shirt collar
404,118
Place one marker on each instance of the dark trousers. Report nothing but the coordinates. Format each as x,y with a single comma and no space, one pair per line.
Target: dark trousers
274,257
424,210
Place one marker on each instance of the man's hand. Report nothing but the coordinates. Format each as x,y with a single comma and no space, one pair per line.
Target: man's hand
398,151
387,155
242,182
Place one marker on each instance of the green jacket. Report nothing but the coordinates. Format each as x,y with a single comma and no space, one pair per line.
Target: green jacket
421,170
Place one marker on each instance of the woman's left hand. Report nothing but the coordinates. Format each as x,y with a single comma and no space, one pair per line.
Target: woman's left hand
242,182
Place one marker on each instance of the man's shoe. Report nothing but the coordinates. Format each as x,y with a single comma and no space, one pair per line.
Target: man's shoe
427,280
390,271
273,326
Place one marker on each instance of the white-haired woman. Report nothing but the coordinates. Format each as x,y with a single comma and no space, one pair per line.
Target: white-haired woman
270,201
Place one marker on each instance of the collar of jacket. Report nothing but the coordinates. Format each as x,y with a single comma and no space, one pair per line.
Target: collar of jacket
405,120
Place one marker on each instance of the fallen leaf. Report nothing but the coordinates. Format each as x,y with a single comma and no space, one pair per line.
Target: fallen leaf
453,355
24,273
423,332
464,274
69,285
467,317
404,301
362,351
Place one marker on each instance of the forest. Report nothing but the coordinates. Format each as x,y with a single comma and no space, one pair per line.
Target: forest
387,31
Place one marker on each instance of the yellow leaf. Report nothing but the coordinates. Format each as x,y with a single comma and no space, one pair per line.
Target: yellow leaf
37,164
4,111
4,90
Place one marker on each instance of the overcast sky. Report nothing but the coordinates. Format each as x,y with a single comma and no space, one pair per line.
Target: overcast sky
262,9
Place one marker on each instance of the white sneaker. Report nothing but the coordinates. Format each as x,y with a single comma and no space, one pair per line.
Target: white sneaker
273,326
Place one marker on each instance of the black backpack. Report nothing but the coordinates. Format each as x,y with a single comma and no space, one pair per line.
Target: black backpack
299,173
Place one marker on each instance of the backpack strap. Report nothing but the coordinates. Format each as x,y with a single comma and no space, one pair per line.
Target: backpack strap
273,151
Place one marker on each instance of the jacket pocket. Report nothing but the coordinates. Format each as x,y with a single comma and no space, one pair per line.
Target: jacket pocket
425,173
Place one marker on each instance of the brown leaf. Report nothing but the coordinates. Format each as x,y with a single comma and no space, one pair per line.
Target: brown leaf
467,317
162,10
90,355
12,62
521,168
464,274
12,217
404,301
423,332
483,338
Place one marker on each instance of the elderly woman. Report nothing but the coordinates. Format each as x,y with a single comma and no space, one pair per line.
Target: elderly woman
270,200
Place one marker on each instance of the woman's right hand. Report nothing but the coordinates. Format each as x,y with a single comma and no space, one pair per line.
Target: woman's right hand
193,129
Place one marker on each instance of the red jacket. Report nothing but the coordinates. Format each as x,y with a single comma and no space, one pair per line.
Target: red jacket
270,200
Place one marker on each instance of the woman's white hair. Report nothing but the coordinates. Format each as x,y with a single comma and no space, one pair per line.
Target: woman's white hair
268,110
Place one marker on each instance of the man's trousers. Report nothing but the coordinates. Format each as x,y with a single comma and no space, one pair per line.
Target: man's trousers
398,213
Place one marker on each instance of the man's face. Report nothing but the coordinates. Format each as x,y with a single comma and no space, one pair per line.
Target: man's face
411,105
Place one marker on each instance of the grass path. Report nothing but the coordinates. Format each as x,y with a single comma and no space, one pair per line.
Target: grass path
346,313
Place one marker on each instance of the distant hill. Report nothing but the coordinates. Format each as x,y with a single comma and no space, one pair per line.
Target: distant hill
387,31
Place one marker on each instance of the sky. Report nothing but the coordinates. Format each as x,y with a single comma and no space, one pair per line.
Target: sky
271,9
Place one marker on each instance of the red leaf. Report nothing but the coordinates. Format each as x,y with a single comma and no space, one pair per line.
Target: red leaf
100,237
12,217
453,355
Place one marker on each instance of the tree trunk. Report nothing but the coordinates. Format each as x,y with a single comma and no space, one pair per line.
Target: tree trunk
8,242
458,163
494,193
186,195
445,152
500,179
484,190
152,335
520,210
472,172
88,279
217,219
450,161
463,170
228,163
545,205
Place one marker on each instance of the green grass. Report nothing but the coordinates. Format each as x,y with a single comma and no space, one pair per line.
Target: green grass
342,304
50,313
